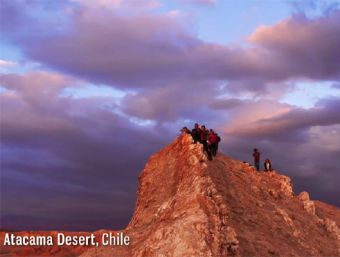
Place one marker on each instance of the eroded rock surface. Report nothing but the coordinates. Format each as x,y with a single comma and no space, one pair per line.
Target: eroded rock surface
307,204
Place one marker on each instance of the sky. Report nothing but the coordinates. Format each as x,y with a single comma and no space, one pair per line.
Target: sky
90,89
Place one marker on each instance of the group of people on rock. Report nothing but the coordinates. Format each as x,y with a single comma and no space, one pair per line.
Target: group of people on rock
210,140
207,137
267,164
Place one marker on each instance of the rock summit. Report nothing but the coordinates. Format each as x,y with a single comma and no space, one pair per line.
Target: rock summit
188,206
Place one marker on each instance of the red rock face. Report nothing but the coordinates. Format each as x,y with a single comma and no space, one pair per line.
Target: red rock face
189,206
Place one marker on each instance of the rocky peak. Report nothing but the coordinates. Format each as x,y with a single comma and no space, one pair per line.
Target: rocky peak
189,206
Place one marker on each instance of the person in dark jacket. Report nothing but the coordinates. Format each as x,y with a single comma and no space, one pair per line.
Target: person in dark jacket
256,156
267,165
218,141
204,141
186,130
196,133
204,134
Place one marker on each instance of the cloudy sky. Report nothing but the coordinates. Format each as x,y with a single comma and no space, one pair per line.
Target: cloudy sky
89,89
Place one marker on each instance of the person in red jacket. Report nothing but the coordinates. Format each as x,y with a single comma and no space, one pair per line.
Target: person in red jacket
213,142
256,156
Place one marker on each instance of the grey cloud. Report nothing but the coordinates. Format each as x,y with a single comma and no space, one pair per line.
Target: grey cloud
172,102
295,121
201,2
148,50
336,85
68,156
225,104
307,6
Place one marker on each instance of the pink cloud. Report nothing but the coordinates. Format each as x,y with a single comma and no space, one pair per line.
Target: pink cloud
37,88
304,47
269,120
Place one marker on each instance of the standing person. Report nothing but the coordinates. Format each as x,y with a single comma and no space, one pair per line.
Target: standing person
204,136
213,141
218,141
196,133
256,156
185,130
204,141
267,165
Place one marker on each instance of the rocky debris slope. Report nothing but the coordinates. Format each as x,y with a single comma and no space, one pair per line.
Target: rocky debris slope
188,206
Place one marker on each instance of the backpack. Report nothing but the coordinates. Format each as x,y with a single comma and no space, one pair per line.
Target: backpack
213,138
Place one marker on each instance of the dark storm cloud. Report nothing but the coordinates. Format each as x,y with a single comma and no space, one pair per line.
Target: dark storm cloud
72,149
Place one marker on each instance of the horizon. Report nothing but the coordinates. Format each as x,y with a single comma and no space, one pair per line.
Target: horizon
90,89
